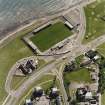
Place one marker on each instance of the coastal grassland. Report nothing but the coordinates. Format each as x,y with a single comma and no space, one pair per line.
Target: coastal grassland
10,53
101,49
50,36
95,25
81,75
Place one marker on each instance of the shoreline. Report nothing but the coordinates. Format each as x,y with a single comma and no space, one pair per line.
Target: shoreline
10,34
44,18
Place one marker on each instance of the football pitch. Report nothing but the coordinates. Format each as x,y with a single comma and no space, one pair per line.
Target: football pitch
50,36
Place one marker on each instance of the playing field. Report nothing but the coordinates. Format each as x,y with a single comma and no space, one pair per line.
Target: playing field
95,25
50,36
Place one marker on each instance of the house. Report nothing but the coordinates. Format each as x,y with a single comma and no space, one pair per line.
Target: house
38,92
70,66
23,69
54,93
58,100
96,57
29,65
94,76
28,102
84,95
80,94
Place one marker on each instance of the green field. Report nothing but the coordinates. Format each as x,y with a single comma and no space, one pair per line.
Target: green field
95,26
50,36
81,75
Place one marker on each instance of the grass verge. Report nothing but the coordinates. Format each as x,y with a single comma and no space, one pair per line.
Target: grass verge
81,75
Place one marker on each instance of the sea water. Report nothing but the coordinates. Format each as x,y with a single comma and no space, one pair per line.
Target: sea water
15,12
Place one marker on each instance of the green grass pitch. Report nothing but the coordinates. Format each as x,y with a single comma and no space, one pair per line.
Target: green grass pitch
50,36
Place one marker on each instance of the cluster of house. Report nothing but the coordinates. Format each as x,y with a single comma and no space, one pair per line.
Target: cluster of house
86,97
39,97
91,57
28,67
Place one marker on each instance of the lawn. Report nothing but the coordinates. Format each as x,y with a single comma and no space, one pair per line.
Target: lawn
101,49
11,52
95,26
79,60
81,75
50,36
103,99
